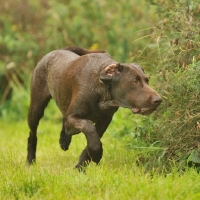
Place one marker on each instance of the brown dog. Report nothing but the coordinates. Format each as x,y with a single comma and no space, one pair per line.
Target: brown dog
88,87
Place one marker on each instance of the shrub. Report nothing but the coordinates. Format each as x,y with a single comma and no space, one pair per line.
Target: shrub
175,132
177,33
178,122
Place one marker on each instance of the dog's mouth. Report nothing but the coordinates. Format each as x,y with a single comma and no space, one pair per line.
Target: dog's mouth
136,110
143,111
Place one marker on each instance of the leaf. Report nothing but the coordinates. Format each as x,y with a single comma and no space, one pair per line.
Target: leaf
194,157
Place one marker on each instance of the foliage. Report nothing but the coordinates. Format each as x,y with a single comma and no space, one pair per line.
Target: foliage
32,29
174,130
177,33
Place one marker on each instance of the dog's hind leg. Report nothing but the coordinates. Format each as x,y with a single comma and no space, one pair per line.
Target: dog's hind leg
65,139
101,127
40,97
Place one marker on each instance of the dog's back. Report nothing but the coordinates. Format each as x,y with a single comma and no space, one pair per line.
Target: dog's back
66,55
81,51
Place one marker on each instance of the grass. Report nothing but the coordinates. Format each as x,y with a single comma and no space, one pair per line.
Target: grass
54,176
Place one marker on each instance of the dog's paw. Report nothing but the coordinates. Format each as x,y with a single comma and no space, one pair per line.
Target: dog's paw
95,153
65,141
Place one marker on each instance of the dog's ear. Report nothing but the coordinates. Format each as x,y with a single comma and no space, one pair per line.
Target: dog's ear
111,72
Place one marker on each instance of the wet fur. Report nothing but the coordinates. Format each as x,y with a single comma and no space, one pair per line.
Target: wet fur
88,88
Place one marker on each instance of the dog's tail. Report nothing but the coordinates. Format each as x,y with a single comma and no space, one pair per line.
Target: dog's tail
81,51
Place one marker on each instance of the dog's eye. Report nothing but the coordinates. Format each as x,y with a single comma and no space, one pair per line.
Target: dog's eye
135,82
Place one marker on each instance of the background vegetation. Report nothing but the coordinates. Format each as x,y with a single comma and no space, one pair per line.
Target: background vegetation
162,36
34,28
176,125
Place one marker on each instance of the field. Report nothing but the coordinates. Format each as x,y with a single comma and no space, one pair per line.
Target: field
54,177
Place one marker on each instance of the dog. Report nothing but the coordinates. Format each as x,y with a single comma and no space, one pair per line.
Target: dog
88,87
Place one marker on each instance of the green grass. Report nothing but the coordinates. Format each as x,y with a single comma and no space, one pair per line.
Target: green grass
54,176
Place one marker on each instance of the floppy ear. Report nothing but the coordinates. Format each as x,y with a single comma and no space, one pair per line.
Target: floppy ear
111,72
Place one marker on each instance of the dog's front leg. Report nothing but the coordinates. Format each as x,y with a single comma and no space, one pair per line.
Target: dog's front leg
75,124
101,127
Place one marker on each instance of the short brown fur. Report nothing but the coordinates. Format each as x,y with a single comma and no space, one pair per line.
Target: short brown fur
88,88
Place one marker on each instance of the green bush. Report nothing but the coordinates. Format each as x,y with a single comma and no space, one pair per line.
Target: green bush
178,121
177,33
174,129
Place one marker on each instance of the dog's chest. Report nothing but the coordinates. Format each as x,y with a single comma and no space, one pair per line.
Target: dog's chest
103,109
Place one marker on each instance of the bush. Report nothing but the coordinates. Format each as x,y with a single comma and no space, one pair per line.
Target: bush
174,130
177,33
178,124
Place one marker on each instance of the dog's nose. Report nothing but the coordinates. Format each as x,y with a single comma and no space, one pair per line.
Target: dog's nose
157,100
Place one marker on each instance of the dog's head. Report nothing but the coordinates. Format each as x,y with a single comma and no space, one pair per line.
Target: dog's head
130,88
